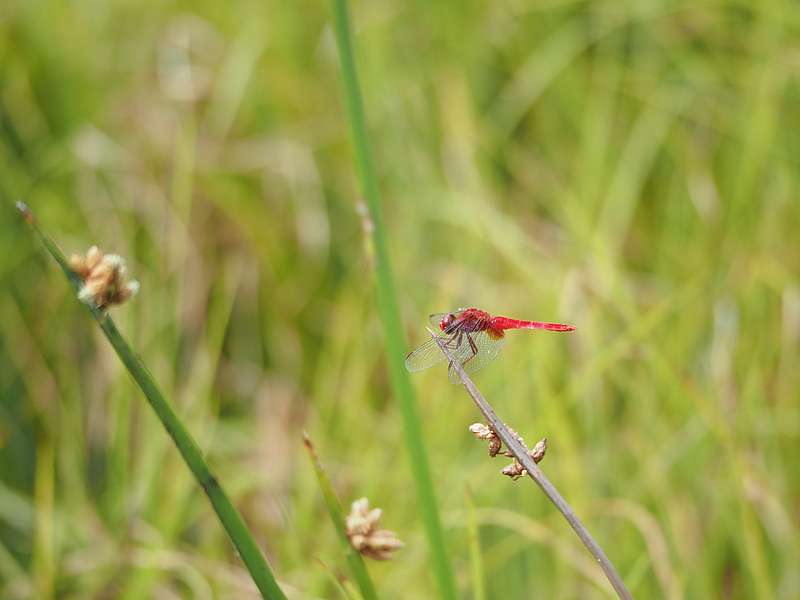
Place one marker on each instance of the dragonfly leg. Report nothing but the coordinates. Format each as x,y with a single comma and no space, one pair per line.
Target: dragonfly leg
473,347
454,344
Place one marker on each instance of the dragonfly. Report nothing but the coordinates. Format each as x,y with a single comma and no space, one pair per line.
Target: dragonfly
473,337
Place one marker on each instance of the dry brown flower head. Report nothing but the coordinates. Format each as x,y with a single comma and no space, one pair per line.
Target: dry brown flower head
364,535
484,432
515,470
104,278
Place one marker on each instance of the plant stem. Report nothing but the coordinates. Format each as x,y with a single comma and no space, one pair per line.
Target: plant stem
231,520
389,311
354,558
475,556
521,454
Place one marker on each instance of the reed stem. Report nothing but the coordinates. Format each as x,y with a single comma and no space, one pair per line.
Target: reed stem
354,558
230,518
389,311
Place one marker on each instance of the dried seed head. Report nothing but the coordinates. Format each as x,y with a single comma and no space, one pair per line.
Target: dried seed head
494,447
515,470
103,277
537,453
364,535
484,432
481,431
26,212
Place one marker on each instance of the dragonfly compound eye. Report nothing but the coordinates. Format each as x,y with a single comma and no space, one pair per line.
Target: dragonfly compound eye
447,321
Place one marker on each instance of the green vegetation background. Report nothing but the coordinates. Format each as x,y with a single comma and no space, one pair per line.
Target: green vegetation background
629,167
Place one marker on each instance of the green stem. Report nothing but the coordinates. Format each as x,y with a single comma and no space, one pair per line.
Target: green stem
475,556
354,558
231,520
389,310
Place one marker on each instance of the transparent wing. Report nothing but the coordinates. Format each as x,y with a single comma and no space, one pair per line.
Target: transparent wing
476,355
472,351
428,354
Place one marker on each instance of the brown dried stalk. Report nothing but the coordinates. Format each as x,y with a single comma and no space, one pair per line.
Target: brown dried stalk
534,472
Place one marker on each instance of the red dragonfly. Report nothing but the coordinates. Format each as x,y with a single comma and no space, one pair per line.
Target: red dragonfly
473,337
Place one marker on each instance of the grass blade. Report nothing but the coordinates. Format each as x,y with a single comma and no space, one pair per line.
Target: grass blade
475,555
389,310
230,518
354,558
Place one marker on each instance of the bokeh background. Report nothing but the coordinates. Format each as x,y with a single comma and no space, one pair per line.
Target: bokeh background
630,167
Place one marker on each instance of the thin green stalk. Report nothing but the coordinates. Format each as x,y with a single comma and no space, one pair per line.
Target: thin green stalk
43,549
354,558
390,312
475,556
231,520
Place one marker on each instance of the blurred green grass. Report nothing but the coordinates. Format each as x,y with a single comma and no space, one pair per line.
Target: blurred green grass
628,167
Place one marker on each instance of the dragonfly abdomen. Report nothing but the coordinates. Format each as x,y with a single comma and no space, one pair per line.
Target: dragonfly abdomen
506,323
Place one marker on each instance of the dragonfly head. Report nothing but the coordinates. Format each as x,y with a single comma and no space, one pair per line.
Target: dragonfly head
448,320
